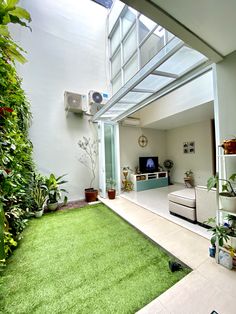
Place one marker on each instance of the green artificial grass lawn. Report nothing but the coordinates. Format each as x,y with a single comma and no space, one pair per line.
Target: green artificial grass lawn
85,260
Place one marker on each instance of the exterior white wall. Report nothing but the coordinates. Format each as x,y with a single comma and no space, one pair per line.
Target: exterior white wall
66,51
225,104
130,151
195,93
200,162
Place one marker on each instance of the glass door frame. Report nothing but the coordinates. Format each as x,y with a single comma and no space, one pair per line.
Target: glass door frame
102,157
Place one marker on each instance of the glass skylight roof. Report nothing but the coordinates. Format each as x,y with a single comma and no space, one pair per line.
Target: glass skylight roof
170,63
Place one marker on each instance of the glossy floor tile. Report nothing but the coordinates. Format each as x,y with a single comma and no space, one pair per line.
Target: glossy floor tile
156,201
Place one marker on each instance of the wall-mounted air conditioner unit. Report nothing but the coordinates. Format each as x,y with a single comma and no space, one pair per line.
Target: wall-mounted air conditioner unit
135,122
75,102
96,101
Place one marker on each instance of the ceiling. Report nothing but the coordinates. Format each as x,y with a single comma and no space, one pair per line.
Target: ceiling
197,114
214,21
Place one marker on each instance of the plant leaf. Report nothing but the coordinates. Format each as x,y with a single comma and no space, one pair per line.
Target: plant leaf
21,13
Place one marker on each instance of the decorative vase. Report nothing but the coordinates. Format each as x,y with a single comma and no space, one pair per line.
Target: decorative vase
111,194
91,195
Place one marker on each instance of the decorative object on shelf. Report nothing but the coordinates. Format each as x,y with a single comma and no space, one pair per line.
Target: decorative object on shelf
168,164
228,195
111,192
142,141
189,147
188,179
127,185
89,160
229,146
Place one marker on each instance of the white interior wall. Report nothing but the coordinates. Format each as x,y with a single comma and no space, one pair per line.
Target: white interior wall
130,151
66,51
200,162
195,93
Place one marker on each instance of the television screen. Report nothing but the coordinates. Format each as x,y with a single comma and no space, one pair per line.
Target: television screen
148,164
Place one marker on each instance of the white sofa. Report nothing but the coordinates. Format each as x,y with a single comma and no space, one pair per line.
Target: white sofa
194,204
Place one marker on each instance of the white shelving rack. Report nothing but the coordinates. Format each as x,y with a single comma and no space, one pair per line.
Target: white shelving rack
222,160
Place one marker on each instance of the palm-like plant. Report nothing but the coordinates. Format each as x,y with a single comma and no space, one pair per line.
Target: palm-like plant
52,186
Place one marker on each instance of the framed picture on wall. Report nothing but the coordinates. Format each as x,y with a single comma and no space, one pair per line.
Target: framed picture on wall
189,147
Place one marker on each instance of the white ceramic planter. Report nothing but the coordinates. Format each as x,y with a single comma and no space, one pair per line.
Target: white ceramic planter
39,213
52,206
228,203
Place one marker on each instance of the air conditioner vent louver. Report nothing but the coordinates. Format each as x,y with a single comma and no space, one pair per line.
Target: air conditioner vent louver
75,102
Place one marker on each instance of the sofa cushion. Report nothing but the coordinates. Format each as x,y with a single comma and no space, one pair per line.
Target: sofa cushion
184,211
184,197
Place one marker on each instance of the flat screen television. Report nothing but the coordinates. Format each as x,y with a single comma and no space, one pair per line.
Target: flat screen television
148,164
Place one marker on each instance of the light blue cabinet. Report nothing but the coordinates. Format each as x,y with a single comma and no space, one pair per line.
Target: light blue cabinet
150,181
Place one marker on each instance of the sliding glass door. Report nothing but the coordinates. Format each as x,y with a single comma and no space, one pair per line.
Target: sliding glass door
109,156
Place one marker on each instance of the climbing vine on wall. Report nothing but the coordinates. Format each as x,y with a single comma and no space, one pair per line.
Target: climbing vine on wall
16,163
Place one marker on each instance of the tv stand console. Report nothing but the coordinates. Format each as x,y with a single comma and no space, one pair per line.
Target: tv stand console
146,181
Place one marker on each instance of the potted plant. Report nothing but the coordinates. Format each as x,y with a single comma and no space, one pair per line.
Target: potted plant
52,186
227,195
111,188
188,179
89,160
39,195
220,233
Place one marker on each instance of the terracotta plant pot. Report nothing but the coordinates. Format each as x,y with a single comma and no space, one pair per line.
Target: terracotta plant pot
229,146
90,195
111,194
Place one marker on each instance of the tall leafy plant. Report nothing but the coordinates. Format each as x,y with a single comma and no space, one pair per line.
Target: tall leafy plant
16,164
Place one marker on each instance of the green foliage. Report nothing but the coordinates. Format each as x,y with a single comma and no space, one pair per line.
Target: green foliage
52,187
11,13
218,232
16,164
213,182
111,184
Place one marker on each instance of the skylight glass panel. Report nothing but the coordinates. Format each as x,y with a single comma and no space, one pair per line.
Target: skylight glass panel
149,24
128,20
135,97
105,3
154,82
159,31
115,39
129,45
181,61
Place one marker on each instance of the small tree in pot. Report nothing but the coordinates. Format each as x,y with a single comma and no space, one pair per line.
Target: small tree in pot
89,160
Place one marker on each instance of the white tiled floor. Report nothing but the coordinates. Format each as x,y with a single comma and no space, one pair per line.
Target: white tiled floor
156,201
208,287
